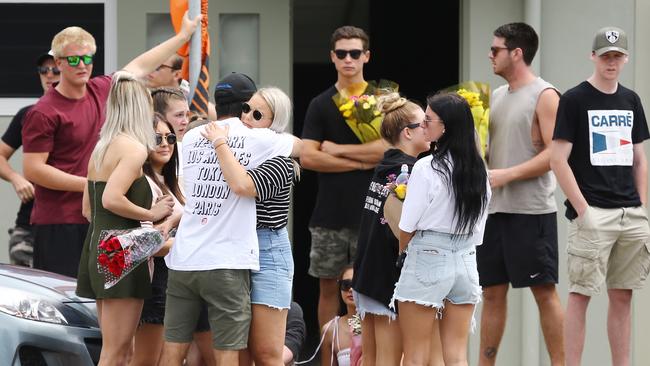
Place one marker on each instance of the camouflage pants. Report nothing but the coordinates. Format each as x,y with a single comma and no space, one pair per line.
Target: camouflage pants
331,251
21,246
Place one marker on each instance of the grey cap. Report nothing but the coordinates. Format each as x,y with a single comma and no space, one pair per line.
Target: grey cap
610,39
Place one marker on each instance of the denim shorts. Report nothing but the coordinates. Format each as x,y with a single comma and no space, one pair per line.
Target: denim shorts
439,268
368,305
271,285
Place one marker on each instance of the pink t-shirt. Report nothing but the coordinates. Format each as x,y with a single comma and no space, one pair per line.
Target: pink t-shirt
68,130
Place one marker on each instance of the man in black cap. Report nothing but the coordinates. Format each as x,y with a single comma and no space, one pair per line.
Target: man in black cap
21,239
599,161
216,244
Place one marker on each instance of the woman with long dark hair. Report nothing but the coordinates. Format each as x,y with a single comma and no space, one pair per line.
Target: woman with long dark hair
442,222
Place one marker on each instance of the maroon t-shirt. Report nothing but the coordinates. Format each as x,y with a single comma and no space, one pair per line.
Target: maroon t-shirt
68,130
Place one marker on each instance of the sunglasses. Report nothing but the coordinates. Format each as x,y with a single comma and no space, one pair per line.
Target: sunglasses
170,138
74,60
246,108
43,70
495,50
163,66
342,54
414,125
345,285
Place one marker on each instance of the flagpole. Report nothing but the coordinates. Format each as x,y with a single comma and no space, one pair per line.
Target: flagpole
194,9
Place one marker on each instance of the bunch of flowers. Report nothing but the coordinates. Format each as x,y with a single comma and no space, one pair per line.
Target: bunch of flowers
478,97
396,184
358,106
121,251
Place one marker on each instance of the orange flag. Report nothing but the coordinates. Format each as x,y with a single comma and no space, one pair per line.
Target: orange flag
177,9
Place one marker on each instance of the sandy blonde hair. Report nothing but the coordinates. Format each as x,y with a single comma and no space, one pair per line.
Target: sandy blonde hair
398,112
129,111
280,106
72,35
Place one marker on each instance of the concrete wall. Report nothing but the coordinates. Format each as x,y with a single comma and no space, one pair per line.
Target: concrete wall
566,30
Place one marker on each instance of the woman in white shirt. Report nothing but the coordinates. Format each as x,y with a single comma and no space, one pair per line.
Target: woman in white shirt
442,221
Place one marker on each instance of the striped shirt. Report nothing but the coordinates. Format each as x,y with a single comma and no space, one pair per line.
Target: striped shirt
273,180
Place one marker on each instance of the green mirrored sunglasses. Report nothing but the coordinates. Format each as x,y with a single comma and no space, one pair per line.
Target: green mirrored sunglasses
74,60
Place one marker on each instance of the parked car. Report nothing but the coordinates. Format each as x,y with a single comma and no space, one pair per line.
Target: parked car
43,322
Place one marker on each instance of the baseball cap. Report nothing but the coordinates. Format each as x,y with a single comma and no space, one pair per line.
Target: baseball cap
44,56
610,39
233,88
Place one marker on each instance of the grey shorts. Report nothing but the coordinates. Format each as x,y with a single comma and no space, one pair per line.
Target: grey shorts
227,295
331,250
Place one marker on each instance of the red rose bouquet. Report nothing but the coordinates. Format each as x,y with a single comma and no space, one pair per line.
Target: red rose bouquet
121,251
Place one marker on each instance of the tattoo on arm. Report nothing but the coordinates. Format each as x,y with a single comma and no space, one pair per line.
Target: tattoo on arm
490,352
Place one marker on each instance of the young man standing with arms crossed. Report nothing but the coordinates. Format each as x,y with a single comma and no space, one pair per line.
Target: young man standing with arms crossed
345,168
600,163
520,243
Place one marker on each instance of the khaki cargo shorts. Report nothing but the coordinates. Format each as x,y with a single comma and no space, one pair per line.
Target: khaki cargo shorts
608,246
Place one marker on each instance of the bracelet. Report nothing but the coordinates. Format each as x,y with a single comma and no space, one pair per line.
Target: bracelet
217,146
217,139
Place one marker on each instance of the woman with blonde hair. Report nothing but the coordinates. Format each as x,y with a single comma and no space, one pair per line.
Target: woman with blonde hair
375,272
270,183
118,197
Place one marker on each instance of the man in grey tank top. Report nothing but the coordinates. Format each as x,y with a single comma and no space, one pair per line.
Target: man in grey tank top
520,242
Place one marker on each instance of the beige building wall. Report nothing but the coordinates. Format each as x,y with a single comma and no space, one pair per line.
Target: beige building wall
566,30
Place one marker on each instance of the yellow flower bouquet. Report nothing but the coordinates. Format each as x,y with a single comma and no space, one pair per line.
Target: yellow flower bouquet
478,97
358,106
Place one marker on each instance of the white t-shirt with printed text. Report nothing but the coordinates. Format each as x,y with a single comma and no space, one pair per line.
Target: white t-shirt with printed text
217,230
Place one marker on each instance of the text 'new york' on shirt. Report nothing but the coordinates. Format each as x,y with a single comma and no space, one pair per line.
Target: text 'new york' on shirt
217,230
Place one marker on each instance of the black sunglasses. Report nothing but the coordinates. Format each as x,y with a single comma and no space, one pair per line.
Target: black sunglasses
43,70
74,60
413,125
246,108
495,50
345,285
170,138
342,54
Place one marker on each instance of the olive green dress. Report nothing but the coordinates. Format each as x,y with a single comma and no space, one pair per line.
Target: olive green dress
90,282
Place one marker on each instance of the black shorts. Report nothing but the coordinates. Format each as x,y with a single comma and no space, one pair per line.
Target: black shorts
518,249
57,247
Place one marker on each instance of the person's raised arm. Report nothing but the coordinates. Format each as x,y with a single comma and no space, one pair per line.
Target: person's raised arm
560,151
640,172
545,113
313,158
150,60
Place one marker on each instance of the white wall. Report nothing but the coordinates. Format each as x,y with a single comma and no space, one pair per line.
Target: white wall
567,28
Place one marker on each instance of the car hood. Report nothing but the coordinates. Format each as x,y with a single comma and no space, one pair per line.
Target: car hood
40,282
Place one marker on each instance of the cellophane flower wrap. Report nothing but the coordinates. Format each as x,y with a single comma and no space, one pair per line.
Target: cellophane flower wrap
358,106
477,95
121,251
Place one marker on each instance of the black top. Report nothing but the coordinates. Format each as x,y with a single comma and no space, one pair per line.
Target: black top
602,128
340,195
375,273
273,180
14,138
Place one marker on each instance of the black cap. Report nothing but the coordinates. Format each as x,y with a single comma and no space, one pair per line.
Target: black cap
44,56
233,88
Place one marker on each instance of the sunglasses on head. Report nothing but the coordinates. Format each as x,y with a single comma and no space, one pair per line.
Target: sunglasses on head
170,138
345,285
342,54
43,70
246,108
74,60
